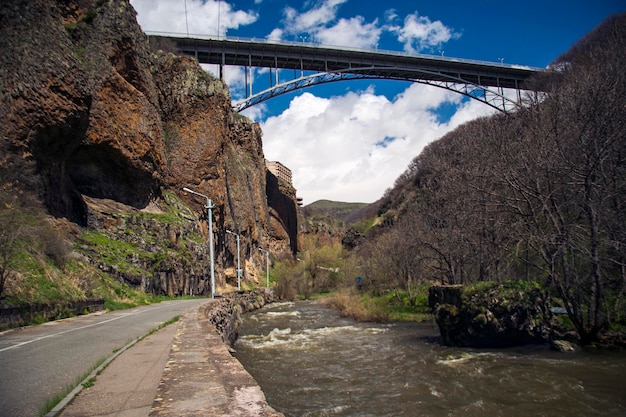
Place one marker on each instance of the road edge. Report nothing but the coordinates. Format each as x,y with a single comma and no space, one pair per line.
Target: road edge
93,374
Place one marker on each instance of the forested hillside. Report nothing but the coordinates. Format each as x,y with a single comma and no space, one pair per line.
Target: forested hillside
536,195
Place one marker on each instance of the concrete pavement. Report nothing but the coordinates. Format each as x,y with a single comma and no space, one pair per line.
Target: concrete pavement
126,387
182,370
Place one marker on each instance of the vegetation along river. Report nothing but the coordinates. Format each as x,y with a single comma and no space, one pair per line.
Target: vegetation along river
311,362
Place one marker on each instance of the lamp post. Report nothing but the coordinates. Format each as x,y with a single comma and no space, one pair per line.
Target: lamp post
238,262
267,267
209,207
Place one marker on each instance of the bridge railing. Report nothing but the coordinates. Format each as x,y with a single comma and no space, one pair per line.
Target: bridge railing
338,47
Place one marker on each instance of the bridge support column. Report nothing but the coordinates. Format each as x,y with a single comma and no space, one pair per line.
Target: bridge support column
251,73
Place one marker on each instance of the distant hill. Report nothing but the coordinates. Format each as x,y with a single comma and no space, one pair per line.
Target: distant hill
346,212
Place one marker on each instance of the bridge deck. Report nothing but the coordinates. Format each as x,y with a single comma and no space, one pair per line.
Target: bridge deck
384,64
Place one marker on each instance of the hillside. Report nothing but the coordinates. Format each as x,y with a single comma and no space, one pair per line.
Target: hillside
334,209
99,135
537,195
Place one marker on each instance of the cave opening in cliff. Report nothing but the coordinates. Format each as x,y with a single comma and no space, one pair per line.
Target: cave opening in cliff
100,171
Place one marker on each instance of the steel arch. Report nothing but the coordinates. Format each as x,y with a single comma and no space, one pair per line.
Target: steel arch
495,99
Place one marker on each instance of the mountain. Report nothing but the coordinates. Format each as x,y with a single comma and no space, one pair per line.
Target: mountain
334,209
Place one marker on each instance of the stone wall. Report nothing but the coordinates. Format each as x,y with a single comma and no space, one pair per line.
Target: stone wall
225,313
12,316
202,378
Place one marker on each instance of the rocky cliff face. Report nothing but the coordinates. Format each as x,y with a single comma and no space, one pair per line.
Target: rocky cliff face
112,126
79,98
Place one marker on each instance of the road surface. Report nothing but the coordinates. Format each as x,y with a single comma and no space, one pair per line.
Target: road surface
40,362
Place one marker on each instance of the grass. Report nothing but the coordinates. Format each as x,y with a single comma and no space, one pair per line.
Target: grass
52,402
363,306
116,252
89,383
37,278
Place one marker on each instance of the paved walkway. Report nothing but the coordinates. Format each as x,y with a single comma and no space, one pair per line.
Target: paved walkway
182,370
126,387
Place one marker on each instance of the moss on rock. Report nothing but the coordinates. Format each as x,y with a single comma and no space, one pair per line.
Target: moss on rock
490,314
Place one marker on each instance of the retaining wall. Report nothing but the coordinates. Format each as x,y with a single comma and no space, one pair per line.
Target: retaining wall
21,315
201,377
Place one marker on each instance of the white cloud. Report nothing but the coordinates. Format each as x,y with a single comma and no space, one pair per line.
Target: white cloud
353,32
194,16
275,35
257,112
318,16
353,147
319,24
419,33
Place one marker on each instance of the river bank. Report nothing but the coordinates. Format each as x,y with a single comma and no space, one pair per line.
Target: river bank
397,307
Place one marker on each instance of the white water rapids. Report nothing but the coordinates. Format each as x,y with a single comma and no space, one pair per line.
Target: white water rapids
310,362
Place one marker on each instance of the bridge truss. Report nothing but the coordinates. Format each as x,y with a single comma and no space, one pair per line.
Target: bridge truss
495,84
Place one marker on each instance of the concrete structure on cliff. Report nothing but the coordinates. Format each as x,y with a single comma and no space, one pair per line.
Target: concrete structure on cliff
279,170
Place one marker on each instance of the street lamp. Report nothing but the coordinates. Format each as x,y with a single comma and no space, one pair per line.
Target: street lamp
267,267
209,207
238,264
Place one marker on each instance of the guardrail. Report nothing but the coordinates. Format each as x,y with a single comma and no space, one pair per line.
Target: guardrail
337,47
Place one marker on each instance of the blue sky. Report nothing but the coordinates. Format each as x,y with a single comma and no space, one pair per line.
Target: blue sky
349,141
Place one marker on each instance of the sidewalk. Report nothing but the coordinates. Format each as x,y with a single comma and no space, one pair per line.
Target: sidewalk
182,370
126,388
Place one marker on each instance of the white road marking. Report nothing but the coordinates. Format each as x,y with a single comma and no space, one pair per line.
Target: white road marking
77,328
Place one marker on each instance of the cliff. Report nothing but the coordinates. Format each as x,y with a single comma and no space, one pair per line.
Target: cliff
115,130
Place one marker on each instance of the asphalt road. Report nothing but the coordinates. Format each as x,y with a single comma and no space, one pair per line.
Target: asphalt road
40,362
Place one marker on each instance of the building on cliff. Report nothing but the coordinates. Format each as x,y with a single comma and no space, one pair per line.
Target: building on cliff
282,173
279,170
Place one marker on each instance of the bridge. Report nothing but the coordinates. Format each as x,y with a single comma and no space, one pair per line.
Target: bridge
498,85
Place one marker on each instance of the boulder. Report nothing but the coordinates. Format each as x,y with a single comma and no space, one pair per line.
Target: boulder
563,346
490,314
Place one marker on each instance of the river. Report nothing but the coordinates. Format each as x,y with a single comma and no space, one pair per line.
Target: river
311,362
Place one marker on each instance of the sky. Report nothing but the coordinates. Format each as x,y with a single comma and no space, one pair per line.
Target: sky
350,140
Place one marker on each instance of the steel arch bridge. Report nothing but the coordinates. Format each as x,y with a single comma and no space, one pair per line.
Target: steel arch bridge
495,84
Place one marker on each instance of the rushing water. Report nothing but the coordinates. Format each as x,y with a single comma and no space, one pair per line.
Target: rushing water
310,362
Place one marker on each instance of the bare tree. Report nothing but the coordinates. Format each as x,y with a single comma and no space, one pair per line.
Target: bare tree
568,179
